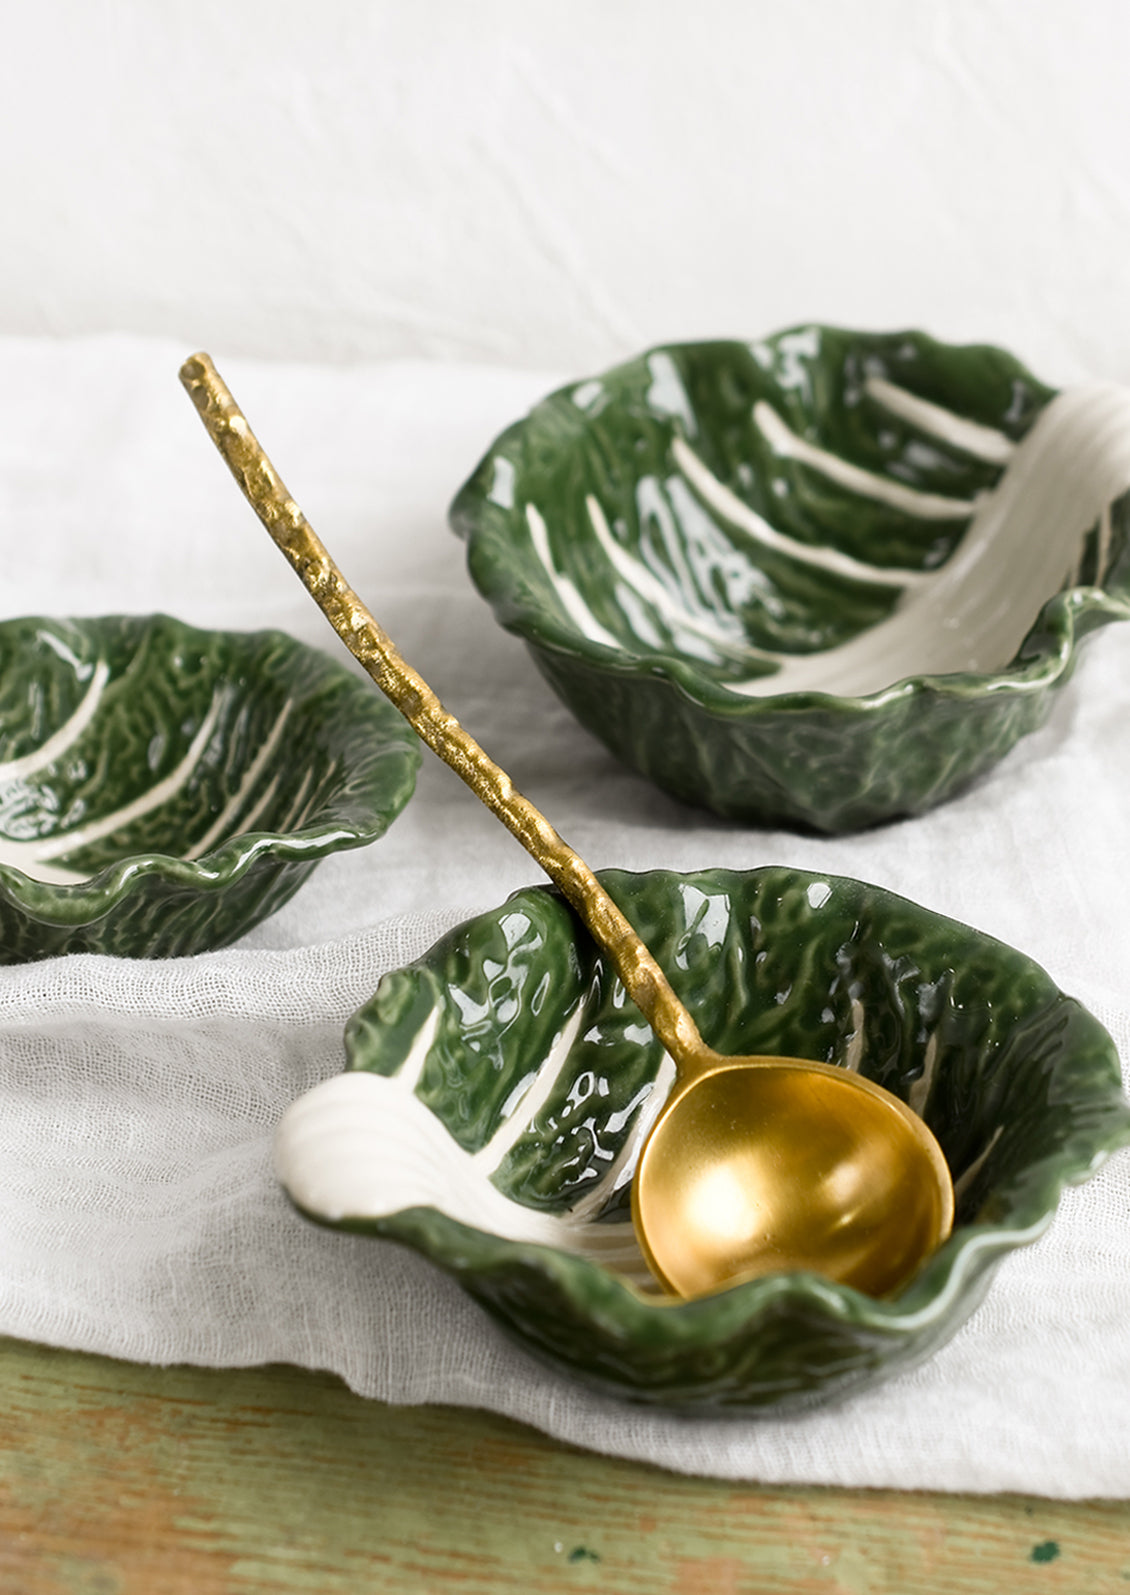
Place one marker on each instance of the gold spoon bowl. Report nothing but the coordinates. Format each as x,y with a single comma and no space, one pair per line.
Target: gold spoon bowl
761,1165
755,1165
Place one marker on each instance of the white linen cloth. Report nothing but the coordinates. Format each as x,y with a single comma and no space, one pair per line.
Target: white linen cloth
138,1213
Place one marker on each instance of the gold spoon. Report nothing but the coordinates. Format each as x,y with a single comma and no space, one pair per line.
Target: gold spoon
755,1165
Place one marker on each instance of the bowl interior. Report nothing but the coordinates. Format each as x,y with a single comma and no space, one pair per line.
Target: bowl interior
817,511
128,736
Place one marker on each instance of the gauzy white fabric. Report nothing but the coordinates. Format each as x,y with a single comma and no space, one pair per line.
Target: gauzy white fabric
138,1212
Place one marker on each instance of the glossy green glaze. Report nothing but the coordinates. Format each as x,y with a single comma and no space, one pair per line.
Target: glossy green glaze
1019,1083
645,603
176,786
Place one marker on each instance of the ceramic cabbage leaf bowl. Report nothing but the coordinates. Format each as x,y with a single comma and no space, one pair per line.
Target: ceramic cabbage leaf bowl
823,579
498,1091
163,789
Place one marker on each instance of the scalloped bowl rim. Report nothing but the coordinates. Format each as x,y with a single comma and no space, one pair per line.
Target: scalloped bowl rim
925,1301
1059,617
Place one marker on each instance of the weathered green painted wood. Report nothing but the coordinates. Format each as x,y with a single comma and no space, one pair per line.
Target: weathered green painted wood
124,1480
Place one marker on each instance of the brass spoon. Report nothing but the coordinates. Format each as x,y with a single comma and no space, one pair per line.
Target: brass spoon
754,1165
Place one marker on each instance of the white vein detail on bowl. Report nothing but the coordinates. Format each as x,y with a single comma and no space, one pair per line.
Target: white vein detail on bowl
1025,540
67,734
364,1146
34,857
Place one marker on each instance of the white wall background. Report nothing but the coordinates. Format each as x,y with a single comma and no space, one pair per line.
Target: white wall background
559,184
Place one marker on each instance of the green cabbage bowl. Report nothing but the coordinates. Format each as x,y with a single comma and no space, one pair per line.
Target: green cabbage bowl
163,789
498,1090
824,579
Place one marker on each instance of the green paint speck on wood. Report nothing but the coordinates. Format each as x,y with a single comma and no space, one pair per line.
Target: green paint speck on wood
581,1553
1046,1551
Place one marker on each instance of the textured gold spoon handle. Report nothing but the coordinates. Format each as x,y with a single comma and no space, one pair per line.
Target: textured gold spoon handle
373,648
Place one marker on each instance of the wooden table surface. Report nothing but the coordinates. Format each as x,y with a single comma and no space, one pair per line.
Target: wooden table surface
117,1479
